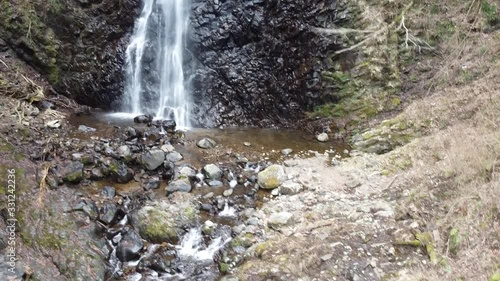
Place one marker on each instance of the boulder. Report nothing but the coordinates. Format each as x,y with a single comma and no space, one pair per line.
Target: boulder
174,156
146,118
212,171
120,173
73,172
272,177
206,143
161,221
152,159
124,151
181,184
169,125
187,171
129,247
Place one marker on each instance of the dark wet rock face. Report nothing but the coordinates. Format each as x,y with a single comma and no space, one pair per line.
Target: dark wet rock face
78,45
259,61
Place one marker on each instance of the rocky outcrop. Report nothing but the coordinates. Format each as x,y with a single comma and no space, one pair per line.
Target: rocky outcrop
259,62
77,44
253,62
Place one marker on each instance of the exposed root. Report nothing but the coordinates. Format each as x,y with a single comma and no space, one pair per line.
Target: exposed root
43,183
419,44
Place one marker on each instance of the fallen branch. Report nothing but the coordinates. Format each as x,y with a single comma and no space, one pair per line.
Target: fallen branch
418,43
340,30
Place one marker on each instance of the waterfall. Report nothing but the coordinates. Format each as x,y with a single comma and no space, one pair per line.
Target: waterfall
154,77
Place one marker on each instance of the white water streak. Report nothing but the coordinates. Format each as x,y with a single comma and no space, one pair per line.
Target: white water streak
193,246
171,99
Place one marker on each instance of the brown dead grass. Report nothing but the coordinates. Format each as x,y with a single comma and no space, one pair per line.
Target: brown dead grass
454,179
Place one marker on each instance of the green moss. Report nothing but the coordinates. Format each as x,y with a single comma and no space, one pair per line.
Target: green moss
495,277
223,267
490,12
159,227
454,241
261,248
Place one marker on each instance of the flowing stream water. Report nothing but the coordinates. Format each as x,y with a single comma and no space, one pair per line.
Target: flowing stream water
155,81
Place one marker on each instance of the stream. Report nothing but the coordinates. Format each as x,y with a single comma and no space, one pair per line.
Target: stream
241,153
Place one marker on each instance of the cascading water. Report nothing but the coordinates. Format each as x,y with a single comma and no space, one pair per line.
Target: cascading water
155,81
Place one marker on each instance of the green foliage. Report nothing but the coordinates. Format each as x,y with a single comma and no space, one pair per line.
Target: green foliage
490,12
454,241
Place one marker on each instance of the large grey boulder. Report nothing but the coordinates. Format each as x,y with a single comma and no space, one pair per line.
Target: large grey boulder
152,159
212,171
182,184
206,143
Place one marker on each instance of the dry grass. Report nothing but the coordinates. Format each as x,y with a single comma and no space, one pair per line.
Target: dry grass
454,180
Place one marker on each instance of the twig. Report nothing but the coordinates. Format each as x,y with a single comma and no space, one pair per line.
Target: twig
4,63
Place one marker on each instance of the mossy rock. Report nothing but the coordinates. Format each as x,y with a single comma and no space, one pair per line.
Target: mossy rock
160,221
272,177
388,135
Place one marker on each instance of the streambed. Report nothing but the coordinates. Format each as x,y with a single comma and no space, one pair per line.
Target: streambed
202,244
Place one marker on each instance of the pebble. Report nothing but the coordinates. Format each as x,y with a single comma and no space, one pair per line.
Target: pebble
326,257
227,192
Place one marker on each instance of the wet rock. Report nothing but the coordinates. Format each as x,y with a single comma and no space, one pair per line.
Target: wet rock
153,134
272,177
86,129
286,151
182,185
208,227
228,192
206,143
91,210
146,118
247,144
131,133
169,125
73,172
277,220
174,156
121,173
152,183
169,171
160,261
161,221
129,247
323,137
108,213
108,192
96,174
187,171
290,187
212,171
124,152
152,159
